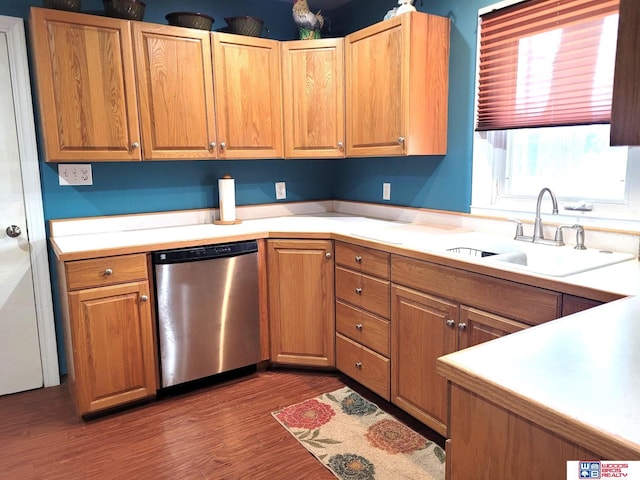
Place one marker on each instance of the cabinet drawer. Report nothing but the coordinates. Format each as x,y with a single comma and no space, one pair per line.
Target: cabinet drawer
363,365
362,327
366,292
528,304
98,272
365,260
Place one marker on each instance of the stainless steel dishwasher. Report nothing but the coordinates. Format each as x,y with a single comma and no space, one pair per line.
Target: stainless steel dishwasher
208,313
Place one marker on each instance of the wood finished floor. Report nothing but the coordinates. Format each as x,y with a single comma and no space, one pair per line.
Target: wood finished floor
218,431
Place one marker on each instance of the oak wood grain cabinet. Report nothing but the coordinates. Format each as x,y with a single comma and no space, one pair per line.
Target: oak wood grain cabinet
488,441
84,71
109,331
436,310
301,302
248,94
397,104
313,98
625,125
362,316
174,76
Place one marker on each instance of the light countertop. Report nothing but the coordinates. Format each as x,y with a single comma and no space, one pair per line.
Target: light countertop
579,375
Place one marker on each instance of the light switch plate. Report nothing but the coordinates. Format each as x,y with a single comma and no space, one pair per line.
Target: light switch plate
281,190
386,191
75,174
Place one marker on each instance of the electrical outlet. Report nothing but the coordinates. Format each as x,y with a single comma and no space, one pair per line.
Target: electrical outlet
386,191
281,190
75,174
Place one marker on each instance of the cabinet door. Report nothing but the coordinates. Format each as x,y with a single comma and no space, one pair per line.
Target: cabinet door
625,126
301,302
113,341
313,98
248,96
476,326
175,91
419,335
86,88
397,105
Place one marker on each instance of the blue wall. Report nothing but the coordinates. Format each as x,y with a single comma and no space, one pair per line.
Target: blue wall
437,182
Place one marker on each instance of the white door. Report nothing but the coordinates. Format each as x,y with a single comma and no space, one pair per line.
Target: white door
22,242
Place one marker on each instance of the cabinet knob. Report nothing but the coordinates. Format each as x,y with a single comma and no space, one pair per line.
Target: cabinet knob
340,145
358,290
135,145
401,140
328,255
212,145
462,326
358,258
223,145
358,326
450,323
108,271
144,298
358,364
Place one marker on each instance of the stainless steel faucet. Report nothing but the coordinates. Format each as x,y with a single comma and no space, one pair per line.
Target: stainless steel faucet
538,233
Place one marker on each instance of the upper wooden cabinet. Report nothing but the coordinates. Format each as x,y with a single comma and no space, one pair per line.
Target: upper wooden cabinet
248,96
625,124
397,77
313,98
175,92
86,88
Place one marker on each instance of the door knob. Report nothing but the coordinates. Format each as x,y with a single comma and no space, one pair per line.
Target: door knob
451,323
328,255
144,298
13,231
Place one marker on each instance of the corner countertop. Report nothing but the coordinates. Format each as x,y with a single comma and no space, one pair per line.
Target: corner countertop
578,376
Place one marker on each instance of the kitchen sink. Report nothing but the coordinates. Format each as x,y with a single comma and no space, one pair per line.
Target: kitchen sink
534,258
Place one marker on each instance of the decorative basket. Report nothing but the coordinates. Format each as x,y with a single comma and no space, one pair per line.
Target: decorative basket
70,5
127,9
250,26
190,20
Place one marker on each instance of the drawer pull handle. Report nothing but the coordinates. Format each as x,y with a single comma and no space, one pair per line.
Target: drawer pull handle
108,272
144,298
462,326
358,326
451,323
358,258
359,291
359,365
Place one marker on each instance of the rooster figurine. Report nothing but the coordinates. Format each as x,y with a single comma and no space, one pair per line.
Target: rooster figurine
309,23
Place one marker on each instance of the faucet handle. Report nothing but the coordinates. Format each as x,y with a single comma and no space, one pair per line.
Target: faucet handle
519,230
579,236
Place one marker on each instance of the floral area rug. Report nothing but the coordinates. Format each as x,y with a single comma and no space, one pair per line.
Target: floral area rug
357,440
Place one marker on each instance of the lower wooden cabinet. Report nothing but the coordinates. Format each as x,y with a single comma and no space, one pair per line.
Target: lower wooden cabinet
301,302
109,330
363,365
419,335
425,327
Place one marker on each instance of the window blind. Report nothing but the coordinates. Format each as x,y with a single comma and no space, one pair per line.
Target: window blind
547,63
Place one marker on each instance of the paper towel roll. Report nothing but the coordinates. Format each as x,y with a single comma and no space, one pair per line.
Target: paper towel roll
227,194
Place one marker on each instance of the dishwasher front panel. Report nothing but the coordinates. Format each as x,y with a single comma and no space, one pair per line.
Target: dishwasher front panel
208,317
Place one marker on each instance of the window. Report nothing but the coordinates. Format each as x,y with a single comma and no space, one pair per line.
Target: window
545,75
